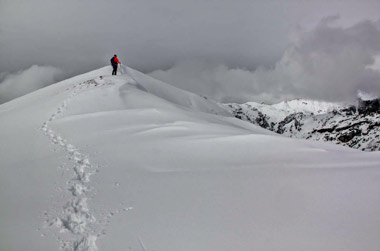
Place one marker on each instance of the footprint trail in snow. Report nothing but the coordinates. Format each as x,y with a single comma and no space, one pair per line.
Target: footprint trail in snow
76,217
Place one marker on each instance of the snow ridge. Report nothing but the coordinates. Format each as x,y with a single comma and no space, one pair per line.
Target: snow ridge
76,217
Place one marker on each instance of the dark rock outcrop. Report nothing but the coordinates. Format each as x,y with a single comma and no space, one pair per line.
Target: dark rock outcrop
367,107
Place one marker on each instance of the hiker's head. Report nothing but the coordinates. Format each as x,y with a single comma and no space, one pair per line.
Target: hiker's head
115,55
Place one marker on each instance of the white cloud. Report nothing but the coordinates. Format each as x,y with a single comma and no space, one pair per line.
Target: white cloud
14,85
327,63
376,64
365,96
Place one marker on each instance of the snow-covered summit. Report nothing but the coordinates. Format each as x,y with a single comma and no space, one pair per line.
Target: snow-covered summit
280,111
101,162
306,106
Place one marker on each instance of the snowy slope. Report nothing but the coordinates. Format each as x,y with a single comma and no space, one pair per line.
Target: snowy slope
306,106
278,112
130,163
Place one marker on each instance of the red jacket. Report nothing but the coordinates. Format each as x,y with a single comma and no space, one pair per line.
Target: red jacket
116,60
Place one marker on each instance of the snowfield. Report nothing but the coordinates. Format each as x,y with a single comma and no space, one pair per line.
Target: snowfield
101,162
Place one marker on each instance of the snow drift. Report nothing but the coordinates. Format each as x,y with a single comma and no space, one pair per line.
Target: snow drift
100,162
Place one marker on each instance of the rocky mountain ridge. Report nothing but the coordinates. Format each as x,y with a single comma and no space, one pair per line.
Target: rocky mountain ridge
348,125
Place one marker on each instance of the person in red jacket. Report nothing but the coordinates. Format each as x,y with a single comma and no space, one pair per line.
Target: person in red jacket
114,62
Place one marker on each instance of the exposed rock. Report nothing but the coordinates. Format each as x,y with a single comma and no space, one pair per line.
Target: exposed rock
346,137
351,110
293,122
367,107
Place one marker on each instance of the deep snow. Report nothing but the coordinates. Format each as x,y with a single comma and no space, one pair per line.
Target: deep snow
131,163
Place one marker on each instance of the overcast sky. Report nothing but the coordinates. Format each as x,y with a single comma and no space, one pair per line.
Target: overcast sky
74,36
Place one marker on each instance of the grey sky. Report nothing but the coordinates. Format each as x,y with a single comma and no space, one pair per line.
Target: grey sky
328,62
79,35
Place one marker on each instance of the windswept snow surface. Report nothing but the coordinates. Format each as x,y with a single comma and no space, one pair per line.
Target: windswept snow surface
130,163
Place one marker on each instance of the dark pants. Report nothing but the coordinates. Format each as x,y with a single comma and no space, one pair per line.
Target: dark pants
114,72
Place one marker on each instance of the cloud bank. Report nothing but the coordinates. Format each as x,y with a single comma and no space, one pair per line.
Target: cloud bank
79,36
328,62
13,85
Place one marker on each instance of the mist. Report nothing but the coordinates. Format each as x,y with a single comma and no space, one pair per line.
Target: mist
13,85
328,62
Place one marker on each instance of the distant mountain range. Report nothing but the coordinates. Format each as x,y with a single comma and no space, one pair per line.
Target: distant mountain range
354,126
